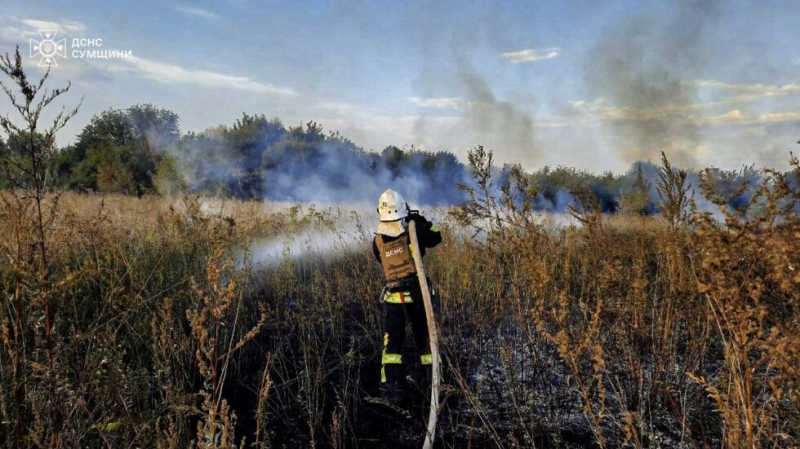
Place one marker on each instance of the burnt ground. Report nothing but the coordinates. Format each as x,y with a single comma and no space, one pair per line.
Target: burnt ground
496,392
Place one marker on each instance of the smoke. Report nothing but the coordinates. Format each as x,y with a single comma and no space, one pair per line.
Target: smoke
459,103
559,202
261,159
736,188
338,173
495,123
640,70
314,243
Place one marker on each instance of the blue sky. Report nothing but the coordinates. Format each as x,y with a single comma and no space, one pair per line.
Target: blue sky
590,84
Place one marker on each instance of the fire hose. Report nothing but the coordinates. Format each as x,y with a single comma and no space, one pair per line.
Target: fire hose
433,415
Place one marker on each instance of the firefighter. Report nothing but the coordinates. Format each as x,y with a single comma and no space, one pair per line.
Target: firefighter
402,295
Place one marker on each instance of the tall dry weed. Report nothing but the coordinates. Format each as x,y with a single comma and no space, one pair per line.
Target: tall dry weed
747,274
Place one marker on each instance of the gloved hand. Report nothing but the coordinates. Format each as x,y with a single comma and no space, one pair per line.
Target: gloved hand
422,222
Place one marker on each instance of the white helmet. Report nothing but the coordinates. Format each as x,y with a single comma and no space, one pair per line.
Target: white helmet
392,206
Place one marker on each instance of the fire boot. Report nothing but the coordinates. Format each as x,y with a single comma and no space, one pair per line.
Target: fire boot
393,392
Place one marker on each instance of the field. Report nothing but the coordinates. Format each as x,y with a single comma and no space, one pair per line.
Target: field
177,321
185,321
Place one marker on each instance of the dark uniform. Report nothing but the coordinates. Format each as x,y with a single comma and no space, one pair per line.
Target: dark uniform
403,299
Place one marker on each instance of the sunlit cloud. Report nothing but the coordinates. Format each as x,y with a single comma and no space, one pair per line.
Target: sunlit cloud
596,111
739,117
748,92
439,103
376,132
198,12
734,97
66,27
20,31
342,109
161,72
19,36
587,106
779,117
734,115
532,54
174,74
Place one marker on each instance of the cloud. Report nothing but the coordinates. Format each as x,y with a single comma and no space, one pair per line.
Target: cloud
748,92
734,115
584,106
376,131
198,12
731,94
158,71
338,110
740,117
532,54
17,35
779,117
597,111
174,74
439,103
600,110
66,27
20,31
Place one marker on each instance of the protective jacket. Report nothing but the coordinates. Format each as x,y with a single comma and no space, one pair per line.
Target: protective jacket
397,257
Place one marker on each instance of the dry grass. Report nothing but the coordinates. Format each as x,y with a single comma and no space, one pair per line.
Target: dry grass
611,331
142,322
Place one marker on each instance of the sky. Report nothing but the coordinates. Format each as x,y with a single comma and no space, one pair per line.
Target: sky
594,85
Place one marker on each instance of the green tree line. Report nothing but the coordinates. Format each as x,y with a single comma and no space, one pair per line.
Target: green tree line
141,150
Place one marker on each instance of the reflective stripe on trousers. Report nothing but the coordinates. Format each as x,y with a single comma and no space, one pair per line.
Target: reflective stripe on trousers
388,358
